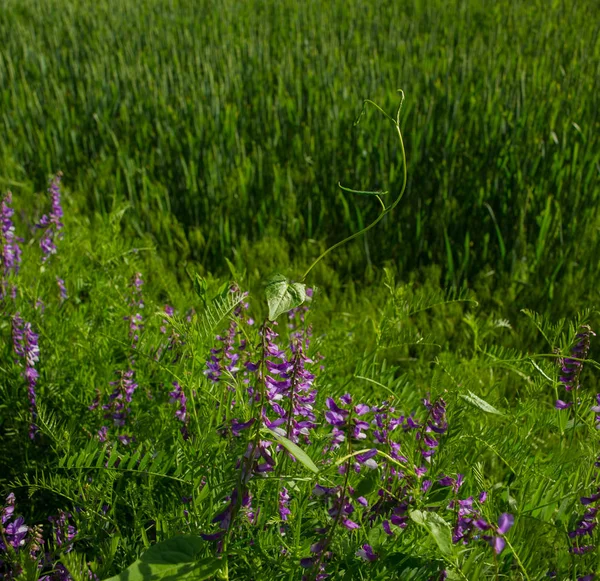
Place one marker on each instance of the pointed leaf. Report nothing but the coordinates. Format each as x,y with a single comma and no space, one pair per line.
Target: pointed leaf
295,451
483,405
172,559
283,296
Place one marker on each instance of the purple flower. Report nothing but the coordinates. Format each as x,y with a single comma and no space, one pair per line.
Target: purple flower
64,532
16,532
62,289
237,427
10,252
572,366
585,500
178,396
319,490
454,483
289,390
367,458
497,542
25,344
284,502
343,424
366,552
136,304
52,223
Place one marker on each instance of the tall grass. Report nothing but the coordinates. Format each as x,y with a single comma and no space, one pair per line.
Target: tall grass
237,120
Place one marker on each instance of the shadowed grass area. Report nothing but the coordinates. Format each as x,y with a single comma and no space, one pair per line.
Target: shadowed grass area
226,122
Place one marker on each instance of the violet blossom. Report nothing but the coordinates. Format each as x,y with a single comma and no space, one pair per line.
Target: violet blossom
10,251
497,542
572,366
62,289
284,503
136,304
289,390
366,552
227,358
178,396
64,532
52,222
25,344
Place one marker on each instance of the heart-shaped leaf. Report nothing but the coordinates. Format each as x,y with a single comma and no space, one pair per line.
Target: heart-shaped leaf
171,560
283,296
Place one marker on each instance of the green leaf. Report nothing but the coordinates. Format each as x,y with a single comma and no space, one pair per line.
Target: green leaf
172,559
200,287
283,296
295,451
368,483
438,528
480,403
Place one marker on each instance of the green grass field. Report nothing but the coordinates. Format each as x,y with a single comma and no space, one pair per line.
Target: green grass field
232,121
428,410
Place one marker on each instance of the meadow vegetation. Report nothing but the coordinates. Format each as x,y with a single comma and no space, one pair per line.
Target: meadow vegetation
177,401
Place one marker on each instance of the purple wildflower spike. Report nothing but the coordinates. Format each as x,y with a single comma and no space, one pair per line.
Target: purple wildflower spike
52,222
178,396
62,289
284,503
10,251
572,366
136,304
25,343
64,532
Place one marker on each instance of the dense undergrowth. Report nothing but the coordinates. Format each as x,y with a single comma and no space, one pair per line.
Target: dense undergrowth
410,436
423,406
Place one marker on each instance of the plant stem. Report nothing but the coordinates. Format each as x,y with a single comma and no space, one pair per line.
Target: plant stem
385,210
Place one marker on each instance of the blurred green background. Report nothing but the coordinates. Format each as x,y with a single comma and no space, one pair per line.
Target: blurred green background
226,127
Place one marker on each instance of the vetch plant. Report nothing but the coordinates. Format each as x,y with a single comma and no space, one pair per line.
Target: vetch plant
52,223
278,440
10,251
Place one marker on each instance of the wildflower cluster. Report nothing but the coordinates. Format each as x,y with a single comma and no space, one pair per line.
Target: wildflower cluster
354,473
224,362
470,522
118,407
13,538
289,390
10,251
51,223
178,397
25,345
136,304
585,526
23,547
572,366
62,289
173,340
